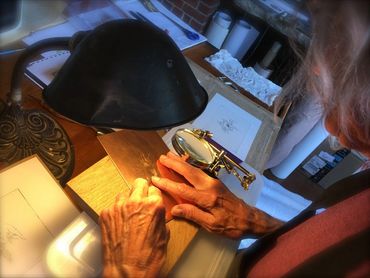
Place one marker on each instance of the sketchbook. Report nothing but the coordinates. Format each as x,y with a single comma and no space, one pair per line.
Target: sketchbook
34,210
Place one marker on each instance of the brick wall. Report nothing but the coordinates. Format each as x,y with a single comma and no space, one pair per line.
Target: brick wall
194,12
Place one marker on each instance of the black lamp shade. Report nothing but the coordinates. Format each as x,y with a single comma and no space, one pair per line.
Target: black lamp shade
127,74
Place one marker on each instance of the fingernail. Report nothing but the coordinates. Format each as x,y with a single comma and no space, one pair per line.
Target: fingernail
177,211
163,157
155,178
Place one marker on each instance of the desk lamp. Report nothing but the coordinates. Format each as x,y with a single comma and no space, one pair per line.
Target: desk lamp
123,74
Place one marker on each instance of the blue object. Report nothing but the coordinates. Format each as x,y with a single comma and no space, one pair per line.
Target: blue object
189,34
10,51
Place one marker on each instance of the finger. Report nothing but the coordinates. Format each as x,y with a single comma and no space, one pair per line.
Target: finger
193,214
105,243
120,198
194,175
184,191
154,191
140,189
108,224
177,157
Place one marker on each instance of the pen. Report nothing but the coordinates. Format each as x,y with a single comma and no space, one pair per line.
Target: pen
10,51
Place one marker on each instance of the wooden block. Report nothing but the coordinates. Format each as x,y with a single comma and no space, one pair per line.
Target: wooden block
96,188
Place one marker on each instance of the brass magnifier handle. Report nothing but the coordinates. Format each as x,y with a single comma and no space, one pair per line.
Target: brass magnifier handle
186,141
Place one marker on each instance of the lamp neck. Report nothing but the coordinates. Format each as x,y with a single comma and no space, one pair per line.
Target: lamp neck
15,94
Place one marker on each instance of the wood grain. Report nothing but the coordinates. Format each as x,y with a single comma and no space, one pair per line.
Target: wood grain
96,188
135,154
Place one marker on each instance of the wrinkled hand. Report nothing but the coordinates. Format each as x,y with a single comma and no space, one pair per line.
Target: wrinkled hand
134,234
211,204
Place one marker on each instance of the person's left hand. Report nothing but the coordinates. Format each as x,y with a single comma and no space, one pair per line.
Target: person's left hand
134,235
210,203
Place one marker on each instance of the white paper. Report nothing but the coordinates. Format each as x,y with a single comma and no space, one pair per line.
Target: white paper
310,168
43,71
25,235
81,22
34,209
247,78
218,29
216,34
318,162
233,128
326,156
279,203
249,196
300,151
240,39
162,22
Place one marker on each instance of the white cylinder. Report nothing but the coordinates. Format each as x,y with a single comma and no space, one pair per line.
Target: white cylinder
240,39
261,71
310,142
218,29
223,19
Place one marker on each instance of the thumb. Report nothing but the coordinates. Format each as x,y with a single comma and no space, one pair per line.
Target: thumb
193,214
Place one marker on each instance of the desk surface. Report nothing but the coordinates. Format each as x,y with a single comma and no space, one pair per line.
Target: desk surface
88,150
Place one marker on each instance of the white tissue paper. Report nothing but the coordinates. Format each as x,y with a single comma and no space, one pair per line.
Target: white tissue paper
247,78
279,203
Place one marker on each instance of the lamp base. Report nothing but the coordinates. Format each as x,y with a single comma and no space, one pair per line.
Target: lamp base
27,132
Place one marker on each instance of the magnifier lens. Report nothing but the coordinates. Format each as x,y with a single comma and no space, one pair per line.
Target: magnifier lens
199,151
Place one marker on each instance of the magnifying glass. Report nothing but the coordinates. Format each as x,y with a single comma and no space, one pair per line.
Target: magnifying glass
206,156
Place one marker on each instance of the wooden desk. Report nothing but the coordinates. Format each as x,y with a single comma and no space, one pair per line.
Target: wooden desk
95,189
88,150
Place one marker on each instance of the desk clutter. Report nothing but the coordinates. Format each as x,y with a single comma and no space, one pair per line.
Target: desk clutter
251,129
247,78
236,38
120,9
42,71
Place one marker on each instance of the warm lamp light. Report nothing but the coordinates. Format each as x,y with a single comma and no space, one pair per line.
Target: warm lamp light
123,74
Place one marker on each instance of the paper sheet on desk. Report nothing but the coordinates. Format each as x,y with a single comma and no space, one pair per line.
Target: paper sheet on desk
279,203
162,22
233,128
43,71
33,210
82,22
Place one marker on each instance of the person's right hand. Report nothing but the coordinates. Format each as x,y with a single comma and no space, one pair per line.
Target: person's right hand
134,234
211,204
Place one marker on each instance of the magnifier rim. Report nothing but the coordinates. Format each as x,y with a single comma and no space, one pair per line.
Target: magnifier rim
180,150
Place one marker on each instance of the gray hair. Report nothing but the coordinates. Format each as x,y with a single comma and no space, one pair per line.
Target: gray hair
336,65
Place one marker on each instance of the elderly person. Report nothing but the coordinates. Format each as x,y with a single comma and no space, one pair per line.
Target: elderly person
334,242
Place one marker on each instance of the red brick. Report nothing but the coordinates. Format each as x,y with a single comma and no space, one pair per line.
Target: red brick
195,14
178,12
186,18
178,3
197,26
211,3
192,3
205,9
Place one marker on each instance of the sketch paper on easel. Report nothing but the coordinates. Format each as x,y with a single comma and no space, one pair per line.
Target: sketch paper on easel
233,128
